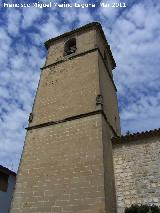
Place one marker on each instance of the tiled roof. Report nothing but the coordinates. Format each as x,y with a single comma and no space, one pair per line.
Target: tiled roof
6,171
136,136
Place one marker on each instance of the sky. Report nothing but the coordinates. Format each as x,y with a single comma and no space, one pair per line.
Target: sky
133,33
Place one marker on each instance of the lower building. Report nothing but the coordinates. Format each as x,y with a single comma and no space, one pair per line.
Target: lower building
137,169
7,183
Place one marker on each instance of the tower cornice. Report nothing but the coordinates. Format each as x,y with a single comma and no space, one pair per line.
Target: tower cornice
81,54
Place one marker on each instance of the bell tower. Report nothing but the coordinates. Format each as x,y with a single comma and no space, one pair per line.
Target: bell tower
66,165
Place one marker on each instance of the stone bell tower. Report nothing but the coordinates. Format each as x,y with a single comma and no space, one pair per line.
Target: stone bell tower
66,165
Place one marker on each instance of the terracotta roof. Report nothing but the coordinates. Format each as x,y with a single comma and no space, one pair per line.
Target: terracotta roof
7,171
90,25
136,136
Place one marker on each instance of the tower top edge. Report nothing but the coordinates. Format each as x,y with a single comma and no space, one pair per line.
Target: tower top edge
69,33
96,25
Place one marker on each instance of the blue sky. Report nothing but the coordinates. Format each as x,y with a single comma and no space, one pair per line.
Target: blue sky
133,34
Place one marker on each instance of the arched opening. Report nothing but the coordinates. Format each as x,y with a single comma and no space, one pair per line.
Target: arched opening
70,46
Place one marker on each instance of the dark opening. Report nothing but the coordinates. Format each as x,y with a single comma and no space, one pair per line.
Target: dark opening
70,46
3,182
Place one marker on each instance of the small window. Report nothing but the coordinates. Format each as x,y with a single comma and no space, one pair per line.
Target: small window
3,182
70,46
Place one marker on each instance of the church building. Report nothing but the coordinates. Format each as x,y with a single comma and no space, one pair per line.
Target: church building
74,158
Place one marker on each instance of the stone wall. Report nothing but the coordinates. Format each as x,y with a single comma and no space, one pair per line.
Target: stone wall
67,89
62,169
62,165
137,172
110,197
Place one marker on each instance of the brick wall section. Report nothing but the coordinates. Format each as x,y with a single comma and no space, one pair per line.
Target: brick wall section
137,172
67,89
62,169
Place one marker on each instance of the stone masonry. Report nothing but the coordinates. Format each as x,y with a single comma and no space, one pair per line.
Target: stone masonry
67,163
137,171
74,159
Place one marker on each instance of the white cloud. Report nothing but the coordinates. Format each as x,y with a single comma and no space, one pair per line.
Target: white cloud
30,15
18,80
135,41
137,15
13,21
68,15
3,92
108,14
50,28
5,42
84,16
